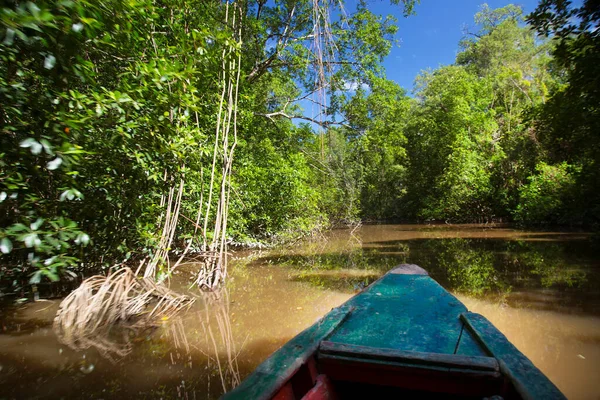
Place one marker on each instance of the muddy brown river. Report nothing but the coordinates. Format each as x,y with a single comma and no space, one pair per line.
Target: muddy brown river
540,288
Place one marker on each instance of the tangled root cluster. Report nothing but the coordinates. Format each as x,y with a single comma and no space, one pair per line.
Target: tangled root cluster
86,317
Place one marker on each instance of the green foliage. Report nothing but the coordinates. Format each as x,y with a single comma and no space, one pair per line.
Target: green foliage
95,121
478,141
516,64
106,105
340,178
381,116
545,199
276,191
450,145
41,68
570,121
498,42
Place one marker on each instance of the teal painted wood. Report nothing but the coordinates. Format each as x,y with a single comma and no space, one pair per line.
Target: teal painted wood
529,381
468,346
404,312
269,376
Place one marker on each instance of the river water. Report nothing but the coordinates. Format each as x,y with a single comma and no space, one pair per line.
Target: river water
540,288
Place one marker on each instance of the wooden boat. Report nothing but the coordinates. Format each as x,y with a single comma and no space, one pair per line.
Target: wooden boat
402,337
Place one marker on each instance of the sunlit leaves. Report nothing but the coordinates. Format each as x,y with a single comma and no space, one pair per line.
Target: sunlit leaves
33,145
70,194
49,61
31,240
5,246
36,277
37,224
82,238
9,37
47,146
54,164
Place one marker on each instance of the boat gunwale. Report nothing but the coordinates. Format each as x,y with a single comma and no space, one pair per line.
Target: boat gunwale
525,377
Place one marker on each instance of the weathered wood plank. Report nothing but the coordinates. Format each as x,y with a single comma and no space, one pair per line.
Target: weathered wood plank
408,269
528,381
468,346
409,357
404,312
276,370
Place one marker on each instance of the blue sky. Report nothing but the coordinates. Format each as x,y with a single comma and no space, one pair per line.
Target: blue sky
430,38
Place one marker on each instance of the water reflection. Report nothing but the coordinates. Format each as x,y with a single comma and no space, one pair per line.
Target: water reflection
216,323
510,266
542,289
565,347
199,354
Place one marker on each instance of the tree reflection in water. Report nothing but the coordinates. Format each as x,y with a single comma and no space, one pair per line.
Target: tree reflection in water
531,269
216,342
216,323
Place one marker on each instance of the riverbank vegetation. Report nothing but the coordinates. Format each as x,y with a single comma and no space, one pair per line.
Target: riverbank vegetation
130,129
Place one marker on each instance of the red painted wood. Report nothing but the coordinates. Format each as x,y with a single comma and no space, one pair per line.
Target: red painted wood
323,390
312,368
285,393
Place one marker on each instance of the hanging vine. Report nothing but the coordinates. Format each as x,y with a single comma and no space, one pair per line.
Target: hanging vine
214,266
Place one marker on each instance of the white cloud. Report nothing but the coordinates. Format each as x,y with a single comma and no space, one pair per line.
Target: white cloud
352,86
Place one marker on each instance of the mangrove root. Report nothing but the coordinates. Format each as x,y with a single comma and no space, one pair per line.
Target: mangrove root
87,316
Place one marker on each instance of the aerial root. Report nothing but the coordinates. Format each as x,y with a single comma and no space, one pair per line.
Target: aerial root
86,316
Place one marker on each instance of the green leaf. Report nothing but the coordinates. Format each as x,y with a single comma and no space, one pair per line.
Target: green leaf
5,246
33,8
36,278
54,164
9,37
49,261
51,274
33,145
49,61
31,240
47,147
82,238
36,225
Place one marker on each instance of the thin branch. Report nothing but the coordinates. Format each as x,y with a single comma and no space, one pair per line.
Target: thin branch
324,124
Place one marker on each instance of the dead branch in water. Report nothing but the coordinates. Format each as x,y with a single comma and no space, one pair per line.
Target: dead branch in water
86,317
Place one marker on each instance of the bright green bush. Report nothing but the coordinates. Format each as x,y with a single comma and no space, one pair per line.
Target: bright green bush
546,197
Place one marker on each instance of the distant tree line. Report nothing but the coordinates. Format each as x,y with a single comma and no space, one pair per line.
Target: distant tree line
508,132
